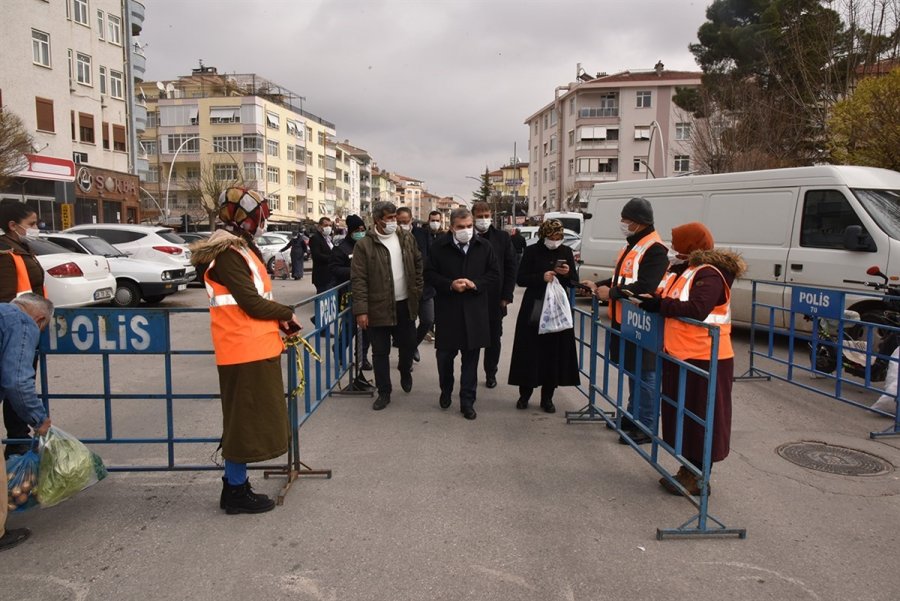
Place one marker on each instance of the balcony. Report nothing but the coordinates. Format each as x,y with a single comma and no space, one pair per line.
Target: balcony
142,166
606,176
136,10
140,117
600,111
138,63
597,145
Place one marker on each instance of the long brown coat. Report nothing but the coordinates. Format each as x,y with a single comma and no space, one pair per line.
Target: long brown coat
255,424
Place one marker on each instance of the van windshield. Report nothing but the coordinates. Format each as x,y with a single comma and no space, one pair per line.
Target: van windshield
884,207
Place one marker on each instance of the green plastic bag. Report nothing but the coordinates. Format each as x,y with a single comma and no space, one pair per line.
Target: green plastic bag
67,467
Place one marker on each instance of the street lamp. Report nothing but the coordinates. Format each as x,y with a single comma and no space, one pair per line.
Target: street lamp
175,158
150,196
654,126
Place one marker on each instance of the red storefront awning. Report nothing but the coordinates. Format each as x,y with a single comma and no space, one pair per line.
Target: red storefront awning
52,168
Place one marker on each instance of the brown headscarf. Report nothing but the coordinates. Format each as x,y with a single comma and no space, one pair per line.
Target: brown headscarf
549,228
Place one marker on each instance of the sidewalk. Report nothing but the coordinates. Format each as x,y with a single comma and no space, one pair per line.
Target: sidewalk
516,505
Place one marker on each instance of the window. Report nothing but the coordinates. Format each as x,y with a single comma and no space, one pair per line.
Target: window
572,105
103,79
553,143
115,30
226,172
321,162
226,143
642,132
309,183
682,131
152,119
308,158
546,120
116,84
321,138
638,164
149,147
72,118
119,138
682,163
153,175
291,177
292,127
272,148
182,114
253,171
545,175
44,109
321,185
571,166
597,165
191,173
553,117
272,121
292,205
105,135
571,137
83,68
290,152
274,202
101,24
826,214
86,127
552,172
273,175
221,114
643,100
534,153
40,48
545,148
253,143
80,11
190,141
309,133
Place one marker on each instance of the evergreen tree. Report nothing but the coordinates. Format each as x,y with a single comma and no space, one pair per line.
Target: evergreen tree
485,190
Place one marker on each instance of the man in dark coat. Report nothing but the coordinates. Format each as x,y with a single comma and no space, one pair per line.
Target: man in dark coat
341,260
297,246
463,269
320,247
501,294
519,243
426,304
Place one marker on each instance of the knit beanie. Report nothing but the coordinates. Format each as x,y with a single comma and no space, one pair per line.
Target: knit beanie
639,211
354,222
690,237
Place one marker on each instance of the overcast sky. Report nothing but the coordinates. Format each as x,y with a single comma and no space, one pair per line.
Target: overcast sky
433,89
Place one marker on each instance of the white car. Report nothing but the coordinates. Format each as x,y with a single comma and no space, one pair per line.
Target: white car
270,244
71,279
151,242
136,279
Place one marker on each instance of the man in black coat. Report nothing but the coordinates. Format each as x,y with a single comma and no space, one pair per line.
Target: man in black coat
519,243
426,303
501,294
463,269
320,247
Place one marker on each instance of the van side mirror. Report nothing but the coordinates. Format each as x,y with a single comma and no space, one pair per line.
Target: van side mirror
856,239
587,215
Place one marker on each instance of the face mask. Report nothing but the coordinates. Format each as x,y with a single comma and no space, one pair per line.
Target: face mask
463,236
624,228
552,244
674,259
390,227
434,225
482,225
29,231
326,230
260,229
406,227
358,236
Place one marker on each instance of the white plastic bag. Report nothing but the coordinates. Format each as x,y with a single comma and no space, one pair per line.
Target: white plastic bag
888,401
556,315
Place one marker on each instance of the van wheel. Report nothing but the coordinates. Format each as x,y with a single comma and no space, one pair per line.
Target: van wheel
154,299
127,294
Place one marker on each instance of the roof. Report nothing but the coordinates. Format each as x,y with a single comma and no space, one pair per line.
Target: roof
639,76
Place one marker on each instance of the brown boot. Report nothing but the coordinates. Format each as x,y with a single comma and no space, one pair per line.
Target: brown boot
679,476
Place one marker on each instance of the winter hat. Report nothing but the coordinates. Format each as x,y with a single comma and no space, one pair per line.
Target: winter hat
638,210
354,222
242,209
690,237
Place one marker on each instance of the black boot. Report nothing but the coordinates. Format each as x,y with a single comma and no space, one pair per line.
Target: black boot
242,499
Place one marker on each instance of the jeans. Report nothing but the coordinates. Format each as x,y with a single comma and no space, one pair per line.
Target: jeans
426,319
647,406
468,377
404,335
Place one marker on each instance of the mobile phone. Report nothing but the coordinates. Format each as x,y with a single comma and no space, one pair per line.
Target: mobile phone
560,262
626,292
291,328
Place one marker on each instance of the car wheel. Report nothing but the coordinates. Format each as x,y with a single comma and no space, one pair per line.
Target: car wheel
127,294
270,266
155,298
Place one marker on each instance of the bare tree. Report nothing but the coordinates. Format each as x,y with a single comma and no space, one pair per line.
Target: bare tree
15,142
209,184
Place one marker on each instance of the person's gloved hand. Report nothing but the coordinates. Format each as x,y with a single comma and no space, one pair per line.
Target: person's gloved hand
651,304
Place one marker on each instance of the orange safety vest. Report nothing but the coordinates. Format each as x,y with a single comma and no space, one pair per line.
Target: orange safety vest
23,284
688,341
630,267
237,337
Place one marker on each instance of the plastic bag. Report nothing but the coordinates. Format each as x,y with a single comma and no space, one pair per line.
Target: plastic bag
66,467
888,401
21,481
556,315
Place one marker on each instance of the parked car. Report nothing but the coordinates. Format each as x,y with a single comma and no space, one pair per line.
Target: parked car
151,242
136,279
73,279
270,244
189,237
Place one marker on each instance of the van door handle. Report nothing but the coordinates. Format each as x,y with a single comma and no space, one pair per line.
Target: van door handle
796,266
778,270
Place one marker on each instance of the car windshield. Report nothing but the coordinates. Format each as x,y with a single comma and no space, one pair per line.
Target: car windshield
99,246
170,236
45,247
884,207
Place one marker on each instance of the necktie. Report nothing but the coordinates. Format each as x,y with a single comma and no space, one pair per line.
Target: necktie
462,247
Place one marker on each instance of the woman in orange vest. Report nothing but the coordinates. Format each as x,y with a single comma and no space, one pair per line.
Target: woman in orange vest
245,325
698,286
20,272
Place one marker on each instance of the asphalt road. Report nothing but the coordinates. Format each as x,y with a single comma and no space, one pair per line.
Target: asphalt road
423,504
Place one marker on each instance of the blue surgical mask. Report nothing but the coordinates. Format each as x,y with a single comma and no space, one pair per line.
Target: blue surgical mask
358,236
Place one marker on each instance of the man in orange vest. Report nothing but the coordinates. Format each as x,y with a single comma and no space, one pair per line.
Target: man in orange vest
641,264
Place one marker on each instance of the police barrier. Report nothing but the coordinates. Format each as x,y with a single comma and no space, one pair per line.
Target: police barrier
315,366
606,391
820,345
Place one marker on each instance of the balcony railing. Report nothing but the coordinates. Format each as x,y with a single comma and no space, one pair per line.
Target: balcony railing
596,144
140,117
137,10
606,176
138,63
606,111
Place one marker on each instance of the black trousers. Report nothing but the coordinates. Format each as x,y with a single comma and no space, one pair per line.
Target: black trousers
426,319
492,353
468,377
15,425
546,393
404,335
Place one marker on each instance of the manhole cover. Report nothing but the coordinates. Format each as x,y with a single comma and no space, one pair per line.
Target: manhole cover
834,460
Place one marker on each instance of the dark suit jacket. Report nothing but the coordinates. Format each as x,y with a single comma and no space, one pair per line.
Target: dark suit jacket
423,240
506,262
321,259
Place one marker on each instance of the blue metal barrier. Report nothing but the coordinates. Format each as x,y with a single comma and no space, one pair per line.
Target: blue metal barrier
606,391
108,333
821,329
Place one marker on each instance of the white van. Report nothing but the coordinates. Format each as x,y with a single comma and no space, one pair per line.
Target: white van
815,226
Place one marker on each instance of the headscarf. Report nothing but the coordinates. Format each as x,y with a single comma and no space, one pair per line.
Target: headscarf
690,237
243,210
551,227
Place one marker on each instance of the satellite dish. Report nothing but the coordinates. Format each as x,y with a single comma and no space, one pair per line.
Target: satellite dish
161,87
170,88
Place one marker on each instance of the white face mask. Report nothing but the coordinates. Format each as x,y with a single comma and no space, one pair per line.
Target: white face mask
624,227
406,227
326,230
390,227
434,225
463,236
482,225
260,229
674,259
30,232
552,244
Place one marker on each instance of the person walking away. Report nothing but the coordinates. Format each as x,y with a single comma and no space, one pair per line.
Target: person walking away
426,305
545,360
386,283
519,243
340,273
640,267
21,322
320,247
700,289
297,246
501,292
463,271
245,325
20,273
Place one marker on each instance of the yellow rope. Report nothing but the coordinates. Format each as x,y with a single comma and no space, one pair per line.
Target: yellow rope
299,343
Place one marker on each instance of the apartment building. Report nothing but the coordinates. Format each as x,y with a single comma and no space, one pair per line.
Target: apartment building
607,128
67,70
206,131
362,203
383,188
